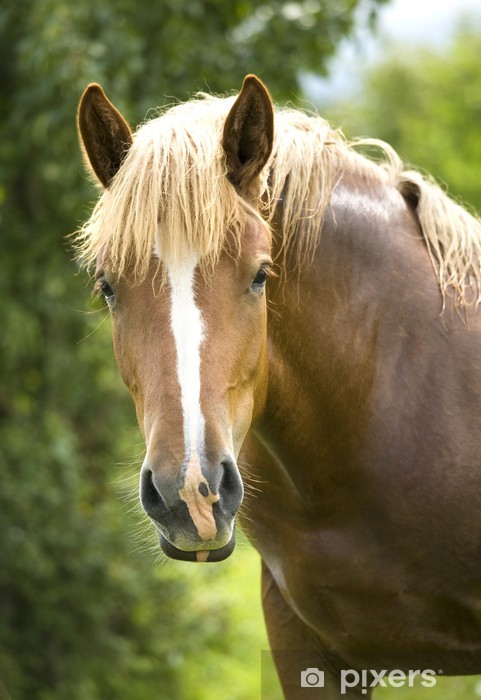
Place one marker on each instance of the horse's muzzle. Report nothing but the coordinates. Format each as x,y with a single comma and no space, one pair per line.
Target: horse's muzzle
195,514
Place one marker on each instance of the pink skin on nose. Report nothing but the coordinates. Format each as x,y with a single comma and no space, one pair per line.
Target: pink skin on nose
199,505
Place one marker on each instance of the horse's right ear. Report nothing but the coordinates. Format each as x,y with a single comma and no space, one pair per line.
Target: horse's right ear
104,133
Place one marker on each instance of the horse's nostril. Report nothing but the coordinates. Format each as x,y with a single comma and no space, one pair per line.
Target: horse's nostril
228,478
150,498
230,488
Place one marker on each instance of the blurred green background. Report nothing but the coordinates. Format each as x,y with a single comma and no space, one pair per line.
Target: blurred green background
87,610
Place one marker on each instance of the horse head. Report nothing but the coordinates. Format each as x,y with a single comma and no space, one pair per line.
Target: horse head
190,329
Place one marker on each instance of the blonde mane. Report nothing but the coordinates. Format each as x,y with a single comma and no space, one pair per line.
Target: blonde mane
172,195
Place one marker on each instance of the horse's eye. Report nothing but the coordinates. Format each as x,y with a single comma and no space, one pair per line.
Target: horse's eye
108,293
259,280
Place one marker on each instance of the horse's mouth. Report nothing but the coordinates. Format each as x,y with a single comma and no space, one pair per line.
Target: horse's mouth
209,555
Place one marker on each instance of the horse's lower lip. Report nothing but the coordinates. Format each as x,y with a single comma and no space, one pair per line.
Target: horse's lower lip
210,555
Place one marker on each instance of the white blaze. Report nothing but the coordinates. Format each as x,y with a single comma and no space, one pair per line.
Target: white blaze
188,331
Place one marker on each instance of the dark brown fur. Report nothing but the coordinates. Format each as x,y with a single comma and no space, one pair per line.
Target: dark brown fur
104,133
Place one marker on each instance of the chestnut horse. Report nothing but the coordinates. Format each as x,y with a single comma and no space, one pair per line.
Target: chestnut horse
288,313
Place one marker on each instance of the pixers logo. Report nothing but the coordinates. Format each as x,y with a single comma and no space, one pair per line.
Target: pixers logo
367,679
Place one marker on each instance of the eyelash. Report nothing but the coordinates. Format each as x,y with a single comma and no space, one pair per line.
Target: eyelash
259,281
102,287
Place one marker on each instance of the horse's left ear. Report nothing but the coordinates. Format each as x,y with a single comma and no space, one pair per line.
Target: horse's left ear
104,133
248,133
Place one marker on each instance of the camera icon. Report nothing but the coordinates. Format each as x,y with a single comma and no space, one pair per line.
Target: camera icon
312,678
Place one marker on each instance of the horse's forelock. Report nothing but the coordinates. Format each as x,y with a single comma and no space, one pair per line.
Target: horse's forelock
171,195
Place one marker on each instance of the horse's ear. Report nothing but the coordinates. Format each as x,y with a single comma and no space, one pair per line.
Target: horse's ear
104,133
248,133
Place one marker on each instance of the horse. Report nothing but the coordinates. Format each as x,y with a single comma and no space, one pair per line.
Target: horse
296,318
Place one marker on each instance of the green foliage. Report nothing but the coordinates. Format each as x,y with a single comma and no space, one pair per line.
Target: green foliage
448,688
83,613
427,104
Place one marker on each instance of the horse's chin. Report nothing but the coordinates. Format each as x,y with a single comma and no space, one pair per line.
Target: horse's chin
209,555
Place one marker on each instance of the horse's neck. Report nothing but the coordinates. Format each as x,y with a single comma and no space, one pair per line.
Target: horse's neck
326,320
